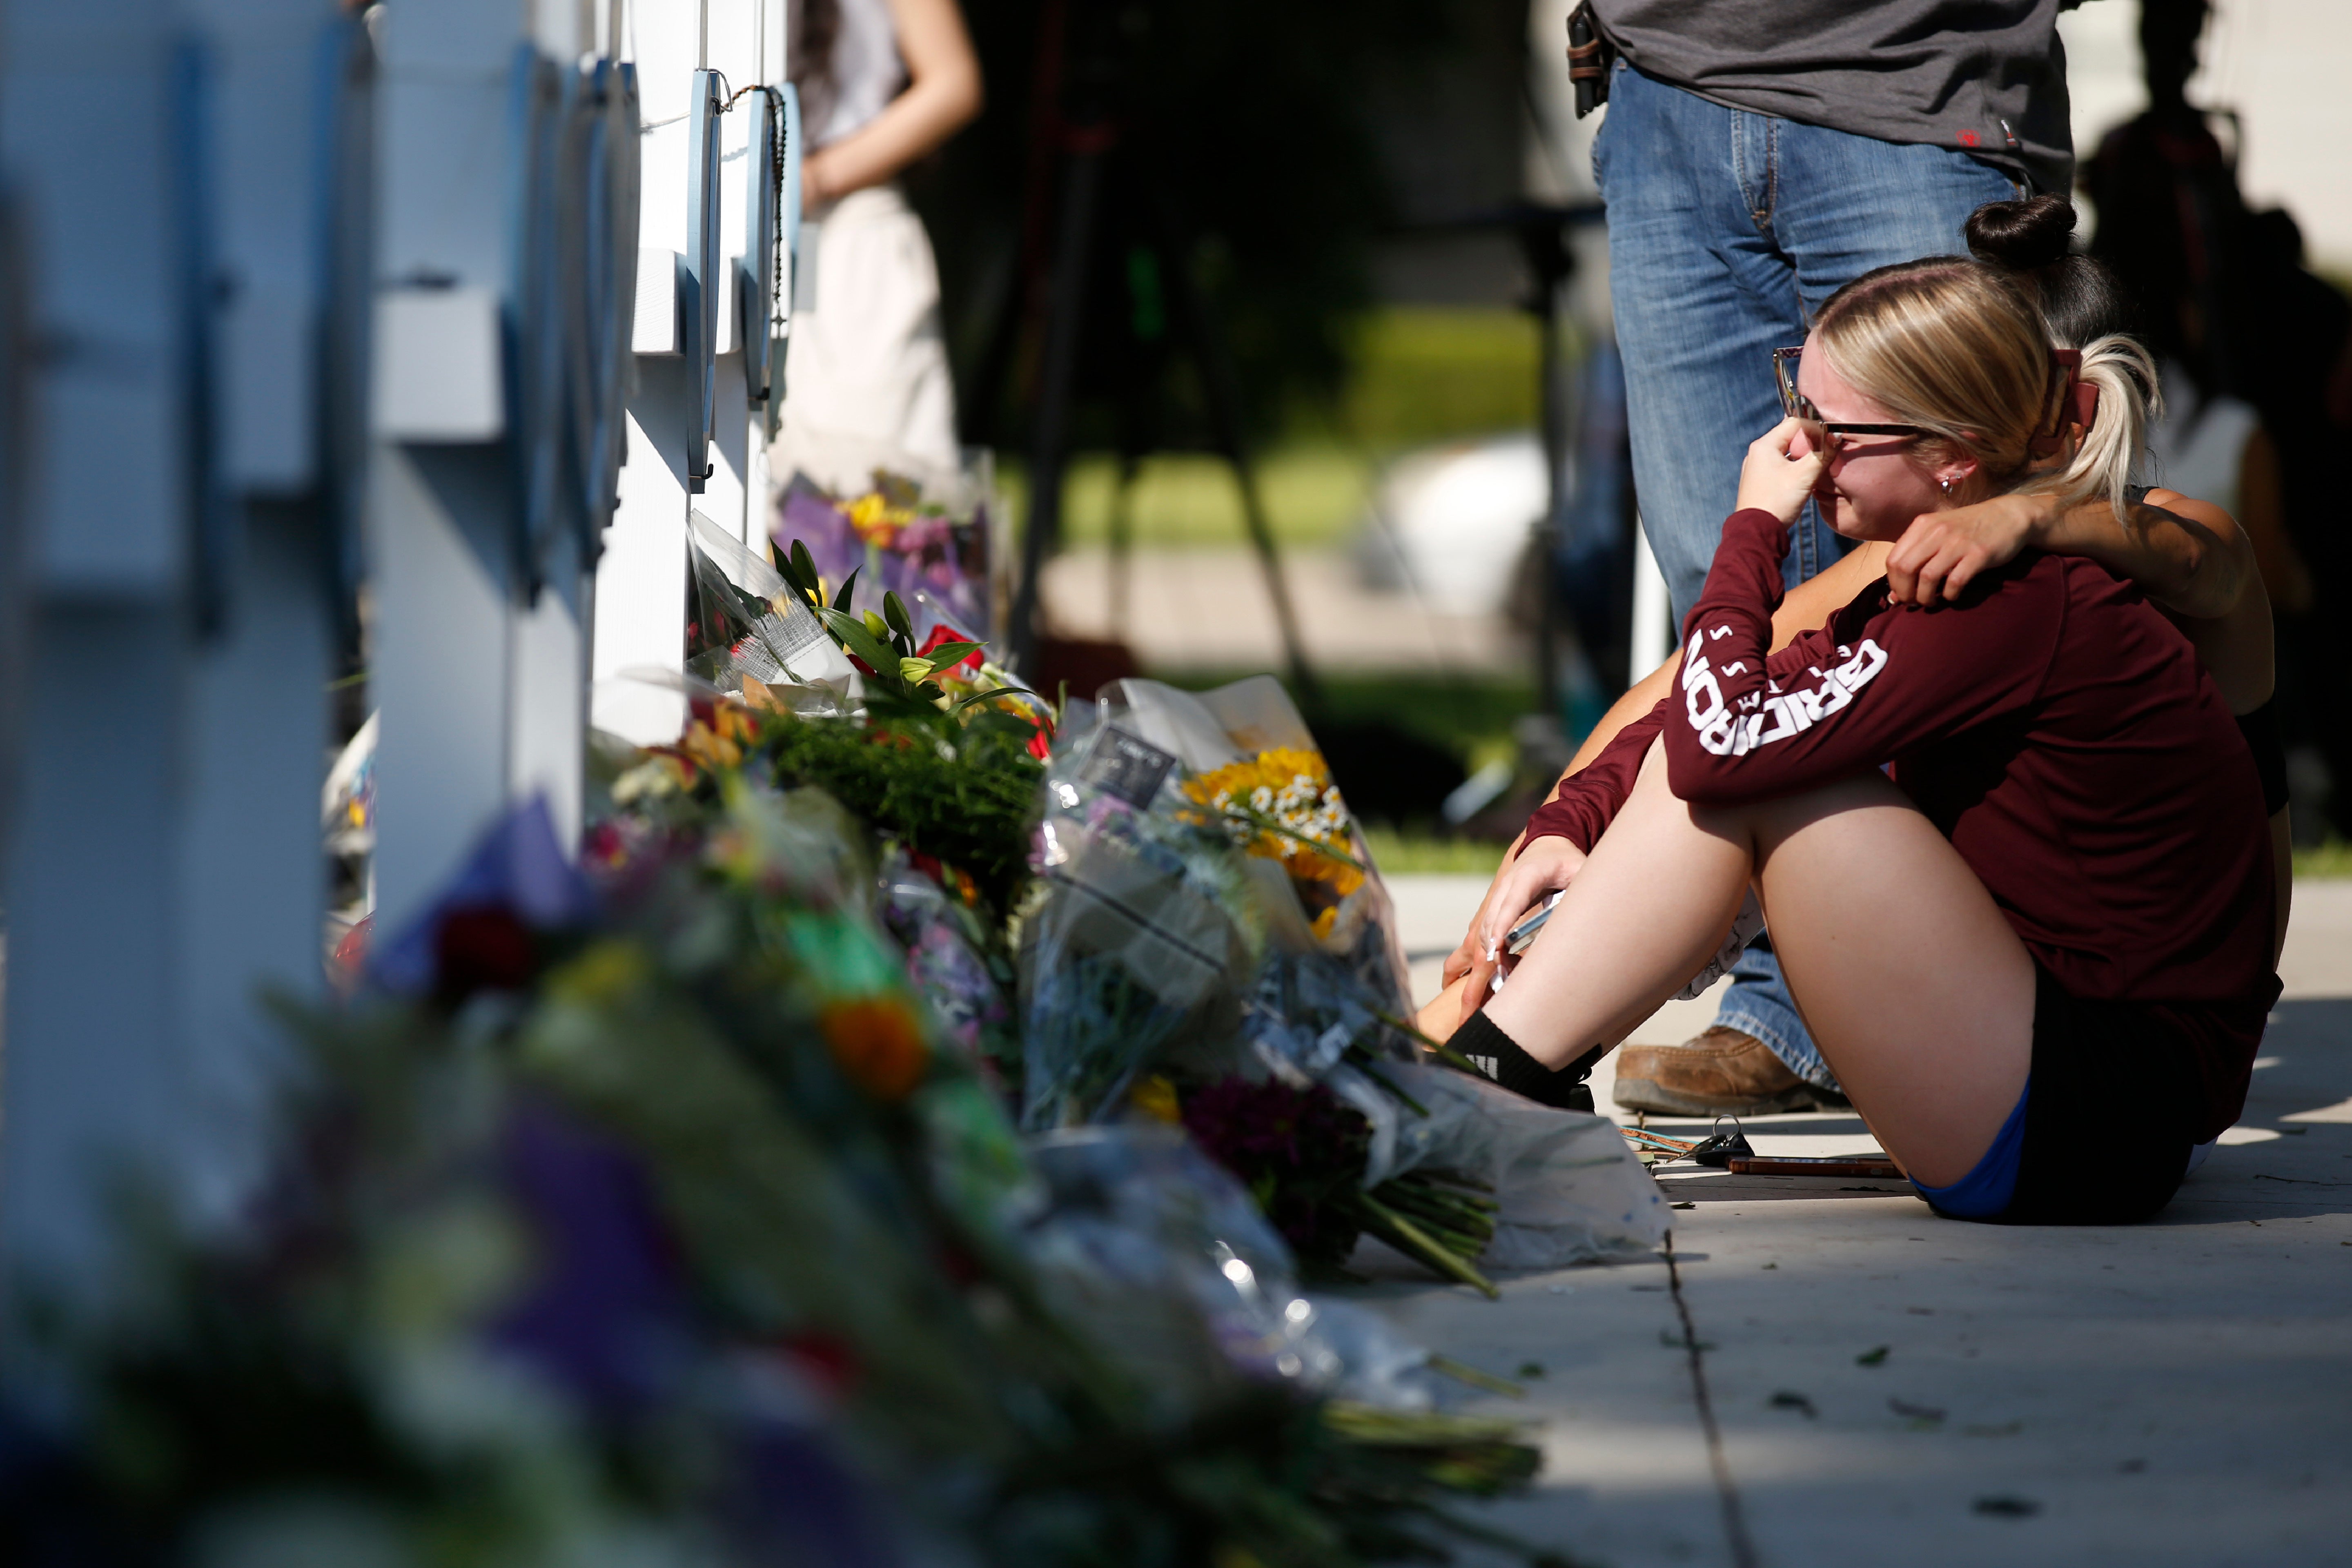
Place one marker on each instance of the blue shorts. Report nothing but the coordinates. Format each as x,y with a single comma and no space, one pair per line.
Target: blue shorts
1986,1191
2096,1064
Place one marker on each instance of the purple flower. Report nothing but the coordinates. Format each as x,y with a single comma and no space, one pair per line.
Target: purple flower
607,1315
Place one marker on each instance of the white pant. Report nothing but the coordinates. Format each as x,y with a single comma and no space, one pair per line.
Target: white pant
868,361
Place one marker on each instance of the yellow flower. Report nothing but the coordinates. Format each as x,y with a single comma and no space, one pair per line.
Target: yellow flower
876,520
1293,788
711,750
1156,1097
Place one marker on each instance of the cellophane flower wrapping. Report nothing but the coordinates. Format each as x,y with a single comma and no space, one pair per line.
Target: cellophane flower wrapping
744,623
1251,769
931,536
1138,1209
1186,823
1143,941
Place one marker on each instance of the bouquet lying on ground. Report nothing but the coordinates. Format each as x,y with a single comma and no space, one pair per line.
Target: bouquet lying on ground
651,1221
1213,945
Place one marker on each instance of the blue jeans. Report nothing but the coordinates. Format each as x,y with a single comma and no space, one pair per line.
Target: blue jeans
1727,231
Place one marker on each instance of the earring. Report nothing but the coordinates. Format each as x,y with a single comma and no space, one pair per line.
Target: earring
1947,485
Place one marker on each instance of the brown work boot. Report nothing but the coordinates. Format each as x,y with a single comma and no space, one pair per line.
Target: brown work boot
1722,1072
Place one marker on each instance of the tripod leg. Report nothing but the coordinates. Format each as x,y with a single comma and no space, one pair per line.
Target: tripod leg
1219,382
1050,451
1548,532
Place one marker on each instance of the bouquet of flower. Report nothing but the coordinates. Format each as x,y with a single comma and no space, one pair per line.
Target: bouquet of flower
650,1222
900,529
1301,1153
1141,944
955,956
1213,945
1253,771
744,624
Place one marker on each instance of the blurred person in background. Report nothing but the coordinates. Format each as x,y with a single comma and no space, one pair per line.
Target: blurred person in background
1754,161
883,83
2257,360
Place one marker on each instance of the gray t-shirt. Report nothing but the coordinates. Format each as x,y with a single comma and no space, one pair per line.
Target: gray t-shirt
1985,76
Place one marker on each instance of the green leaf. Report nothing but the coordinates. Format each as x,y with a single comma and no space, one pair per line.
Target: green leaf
841,599
896,613
790,573
1874,1357
948,655
1461,1372
859,641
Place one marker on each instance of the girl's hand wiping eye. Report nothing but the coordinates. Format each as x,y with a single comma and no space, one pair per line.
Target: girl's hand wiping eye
1778,478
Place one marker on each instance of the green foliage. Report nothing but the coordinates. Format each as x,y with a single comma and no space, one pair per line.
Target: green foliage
2318,861
1417,854
884,643
1422,375
959,788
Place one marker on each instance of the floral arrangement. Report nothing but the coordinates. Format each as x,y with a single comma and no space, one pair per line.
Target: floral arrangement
650,1220
898,539
1281,804
1301,1151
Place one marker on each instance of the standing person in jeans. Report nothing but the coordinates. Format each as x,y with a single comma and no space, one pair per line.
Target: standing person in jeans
1757,158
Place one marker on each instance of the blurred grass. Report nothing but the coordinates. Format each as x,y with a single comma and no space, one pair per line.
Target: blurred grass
2333,858
1415,853
1313,492
1424,375
1421,376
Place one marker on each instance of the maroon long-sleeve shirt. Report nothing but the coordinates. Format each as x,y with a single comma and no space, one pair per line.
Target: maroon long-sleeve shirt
2055,726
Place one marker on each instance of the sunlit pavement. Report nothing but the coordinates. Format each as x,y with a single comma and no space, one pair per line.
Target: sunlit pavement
1209,610
2171,1392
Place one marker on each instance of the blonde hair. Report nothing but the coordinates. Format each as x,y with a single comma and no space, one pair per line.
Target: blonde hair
1955,347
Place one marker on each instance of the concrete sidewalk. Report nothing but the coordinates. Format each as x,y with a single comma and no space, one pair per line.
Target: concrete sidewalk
1208,609
1887,1386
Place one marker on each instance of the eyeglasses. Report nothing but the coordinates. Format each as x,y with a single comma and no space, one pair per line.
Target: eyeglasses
1797,405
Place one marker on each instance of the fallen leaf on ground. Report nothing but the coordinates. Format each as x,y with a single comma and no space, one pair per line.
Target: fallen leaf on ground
2004,1507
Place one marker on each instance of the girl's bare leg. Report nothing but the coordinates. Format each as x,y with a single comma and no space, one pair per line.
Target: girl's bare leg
1917,992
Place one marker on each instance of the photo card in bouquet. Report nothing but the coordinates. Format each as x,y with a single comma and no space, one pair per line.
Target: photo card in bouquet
1127,768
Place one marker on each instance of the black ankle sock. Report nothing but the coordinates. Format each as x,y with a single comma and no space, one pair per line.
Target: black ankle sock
1499,1056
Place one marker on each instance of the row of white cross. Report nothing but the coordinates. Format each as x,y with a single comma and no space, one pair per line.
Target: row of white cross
442,314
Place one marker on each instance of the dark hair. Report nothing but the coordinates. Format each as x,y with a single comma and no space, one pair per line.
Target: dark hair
2079,297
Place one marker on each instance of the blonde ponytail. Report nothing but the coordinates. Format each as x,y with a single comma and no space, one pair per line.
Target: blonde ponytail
2130,398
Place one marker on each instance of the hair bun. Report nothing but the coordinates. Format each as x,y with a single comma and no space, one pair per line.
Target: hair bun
2020,235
